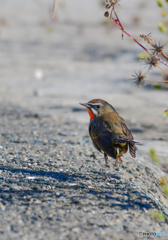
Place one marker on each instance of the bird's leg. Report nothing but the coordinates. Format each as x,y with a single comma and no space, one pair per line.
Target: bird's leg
106,158
119,154
116,162
121,160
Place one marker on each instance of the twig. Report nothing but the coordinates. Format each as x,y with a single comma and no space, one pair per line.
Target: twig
164,55
145,37
155,80
53,12
162,69
119,25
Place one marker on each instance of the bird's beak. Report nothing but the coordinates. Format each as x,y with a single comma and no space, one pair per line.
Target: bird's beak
85,105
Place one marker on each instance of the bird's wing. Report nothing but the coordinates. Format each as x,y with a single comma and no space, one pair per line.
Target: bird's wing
111,131
125,139
128,138
125,135
125,130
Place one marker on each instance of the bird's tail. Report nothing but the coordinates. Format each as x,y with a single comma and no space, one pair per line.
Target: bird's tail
132,148
131,142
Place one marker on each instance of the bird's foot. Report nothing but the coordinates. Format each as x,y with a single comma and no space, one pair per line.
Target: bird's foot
105,178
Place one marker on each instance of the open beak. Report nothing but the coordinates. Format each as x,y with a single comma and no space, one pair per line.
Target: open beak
85,105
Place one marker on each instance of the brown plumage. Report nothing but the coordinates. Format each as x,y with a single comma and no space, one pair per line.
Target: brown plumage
108,130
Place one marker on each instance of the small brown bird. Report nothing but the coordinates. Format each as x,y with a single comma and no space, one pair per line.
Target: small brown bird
108,131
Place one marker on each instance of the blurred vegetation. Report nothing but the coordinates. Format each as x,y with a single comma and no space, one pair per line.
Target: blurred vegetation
158,216
165,114
153,155
163,26
164,185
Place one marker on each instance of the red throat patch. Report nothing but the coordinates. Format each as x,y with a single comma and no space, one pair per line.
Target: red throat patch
90,113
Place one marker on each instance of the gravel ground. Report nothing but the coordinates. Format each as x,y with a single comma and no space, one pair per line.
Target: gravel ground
53,183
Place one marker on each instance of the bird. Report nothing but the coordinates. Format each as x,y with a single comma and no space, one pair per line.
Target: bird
108,131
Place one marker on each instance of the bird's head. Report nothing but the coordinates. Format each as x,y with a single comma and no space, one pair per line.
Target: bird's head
98,107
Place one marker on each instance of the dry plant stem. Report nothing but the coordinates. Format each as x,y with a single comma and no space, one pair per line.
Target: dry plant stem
147,39
164,55
161,69
155,80
115,21
53,12
119,25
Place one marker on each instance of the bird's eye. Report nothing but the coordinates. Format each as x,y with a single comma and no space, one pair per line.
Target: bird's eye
98,106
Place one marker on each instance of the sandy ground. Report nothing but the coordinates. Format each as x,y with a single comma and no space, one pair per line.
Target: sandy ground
48,67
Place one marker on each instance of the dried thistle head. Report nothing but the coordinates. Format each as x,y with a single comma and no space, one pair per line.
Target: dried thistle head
112,3
150,61
138,78
158,47
147,37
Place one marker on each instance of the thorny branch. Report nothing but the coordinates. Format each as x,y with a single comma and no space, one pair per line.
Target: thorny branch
158,48
119,25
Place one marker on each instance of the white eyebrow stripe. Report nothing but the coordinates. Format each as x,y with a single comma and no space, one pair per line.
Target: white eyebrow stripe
95,104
